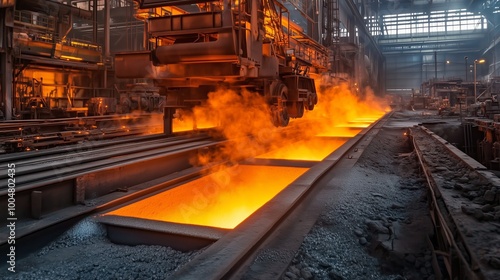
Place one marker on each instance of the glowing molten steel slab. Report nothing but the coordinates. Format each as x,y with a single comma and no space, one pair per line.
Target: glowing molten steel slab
339,131
222,199
363,121
358,125
189,124
315,149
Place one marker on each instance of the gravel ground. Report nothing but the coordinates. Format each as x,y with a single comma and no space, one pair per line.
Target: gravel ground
375,228
84,252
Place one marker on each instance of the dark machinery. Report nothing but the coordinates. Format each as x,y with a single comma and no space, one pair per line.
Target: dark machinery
198,46
139,97
54,72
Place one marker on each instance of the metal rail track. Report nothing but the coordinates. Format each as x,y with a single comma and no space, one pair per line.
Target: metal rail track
35,134
454,256
15,126
69,137
460,259
40,169
82,146
53,155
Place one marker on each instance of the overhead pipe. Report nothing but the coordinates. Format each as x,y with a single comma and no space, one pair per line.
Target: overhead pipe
94,20
107,17
6,61
145,4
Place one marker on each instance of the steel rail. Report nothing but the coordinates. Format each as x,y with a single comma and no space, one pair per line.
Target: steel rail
30,164
68,137
16,124
89,167
441,225
29,176
39,161
83,146
29,130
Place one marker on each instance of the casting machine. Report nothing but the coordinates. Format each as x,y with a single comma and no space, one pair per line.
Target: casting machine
195,47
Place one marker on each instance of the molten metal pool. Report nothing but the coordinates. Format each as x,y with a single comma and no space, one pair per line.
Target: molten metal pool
188,124
198,213
340,131
315,149
222,199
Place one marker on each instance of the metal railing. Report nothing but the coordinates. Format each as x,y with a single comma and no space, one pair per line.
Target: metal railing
30,19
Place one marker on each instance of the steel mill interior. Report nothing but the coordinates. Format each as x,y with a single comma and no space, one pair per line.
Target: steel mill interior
250,139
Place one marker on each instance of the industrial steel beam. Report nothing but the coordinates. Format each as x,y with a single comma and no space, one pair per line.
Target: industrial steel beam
6,60
145,4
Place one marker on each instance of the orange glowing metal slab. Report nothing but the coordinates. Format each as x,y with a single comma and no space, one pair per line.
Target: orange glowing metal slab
178,125
315,149
357,125
222,200
367,119
365,122
339,131
188,125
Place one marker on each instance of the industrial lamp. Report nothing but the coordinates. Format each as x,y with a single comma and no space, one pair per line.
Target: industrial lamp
477,61
466,66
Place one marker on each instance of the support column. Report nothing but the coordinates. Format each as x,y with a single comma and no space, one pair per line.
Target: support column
145,43
107,21
435,66
94,21
6,60
6,84
168,116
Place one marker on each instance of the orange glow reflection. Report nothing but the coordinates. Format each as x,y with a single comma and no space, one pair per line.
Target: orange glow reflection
337,131
222,199
182,125
356,125
185,121
315,149
339,108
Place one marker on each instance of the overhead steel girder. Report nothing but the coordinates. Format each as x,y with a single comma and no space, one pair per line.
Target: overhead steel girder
145,4
423,44
459,46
